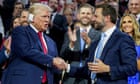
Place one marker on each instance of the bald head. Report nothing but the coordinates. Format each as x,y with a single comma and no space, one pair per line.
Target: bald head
134,6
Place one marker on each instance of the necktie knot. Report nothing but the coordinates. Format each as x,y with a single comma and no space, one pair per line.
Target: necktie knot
40,34
83,30
103,35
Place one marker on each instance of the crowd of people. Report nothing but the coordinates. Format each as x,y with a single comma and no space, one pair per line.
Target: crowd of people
70,41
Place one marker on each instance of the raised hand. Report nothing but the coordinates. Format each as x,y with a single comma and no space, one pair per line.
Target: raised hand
85,36
72,36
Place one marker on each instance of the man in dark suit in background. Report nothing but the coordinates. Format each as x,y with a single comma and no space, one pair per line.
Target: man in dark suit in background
117,58
78,39
58,24
33,54
0,39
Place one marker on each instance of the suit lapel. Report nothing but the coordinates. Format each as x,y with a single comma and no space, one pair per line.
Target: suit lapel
91,32
33,35
93,49
78,43
110,43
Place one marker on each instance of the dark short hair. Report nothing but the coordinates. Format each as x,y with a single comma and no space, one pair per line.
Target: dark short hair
108,10
19,3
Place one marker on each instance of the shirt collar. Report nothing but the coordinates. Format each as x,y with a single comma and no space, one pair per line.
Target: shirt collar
110,31
87,28
137,16
33,27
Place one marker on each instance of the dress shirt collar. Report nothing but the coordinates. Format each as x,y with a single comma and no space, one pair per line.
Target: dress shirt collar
33,27
87,28
109,31
138,16
53,14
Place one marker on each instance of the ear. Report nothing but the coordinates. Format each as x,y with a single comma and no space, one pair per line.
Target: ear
107,18
30,17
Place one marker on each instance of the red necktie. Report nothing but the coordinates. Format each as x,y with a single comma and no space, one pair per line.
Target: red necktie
44,79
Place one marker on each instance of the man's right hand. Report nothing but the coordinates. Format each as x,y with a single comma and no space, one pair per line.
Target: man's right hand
7,44
59,63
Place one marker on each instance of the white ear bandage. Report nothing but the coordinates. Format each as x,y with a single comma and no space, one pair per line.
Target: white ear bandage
30,17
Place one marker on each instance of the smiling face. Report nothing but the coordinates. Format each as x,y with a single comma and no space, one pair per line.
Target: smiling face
127,24
85,16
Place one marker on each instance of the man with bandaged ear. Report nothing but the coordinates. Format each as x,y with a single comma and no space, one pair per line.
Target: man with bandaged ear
34,55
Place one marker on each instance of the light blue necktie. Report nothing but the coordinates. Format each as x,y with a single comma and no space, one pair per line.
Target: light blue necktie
82,40
82,44
98,52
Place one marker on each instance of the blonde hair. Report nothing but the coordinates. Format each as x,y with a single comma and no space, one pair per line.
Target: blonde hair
136,31
36,7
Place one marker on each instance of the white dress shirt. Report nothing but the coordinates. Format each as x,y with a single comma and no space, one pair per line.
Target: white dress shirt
108,33
37,32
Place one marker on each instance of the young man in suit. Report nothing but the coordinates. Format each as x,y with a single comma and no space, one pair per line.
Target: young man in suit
78,40
33,54
117,58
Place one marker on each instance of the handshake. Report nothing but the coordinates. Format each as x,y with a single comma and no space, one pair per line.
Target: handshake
60,63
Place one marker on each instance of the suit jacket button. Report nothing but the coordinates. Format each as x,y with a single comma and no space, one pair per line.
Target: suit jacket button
41,77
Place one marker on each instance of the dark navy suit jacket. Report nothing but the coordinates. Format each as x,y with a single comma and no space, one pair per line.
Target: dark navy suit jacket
3,55
119,53
58,30
27,60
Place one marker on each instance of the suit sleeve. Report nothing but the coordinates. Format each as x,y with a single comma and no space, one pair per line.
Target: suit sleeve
22,48
127,54
3,55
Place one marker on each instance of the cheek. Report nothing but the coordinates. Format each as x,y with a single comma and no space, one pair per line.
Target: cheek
131,29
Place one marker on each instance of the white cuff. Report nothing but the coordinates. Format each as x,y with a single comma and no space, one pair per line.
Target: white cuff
6,54
71,48
68,68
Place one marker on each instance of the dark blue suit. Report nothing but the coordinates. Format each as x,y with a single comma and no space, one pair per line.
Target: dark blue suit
119,53
27,60
58,30
2,55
